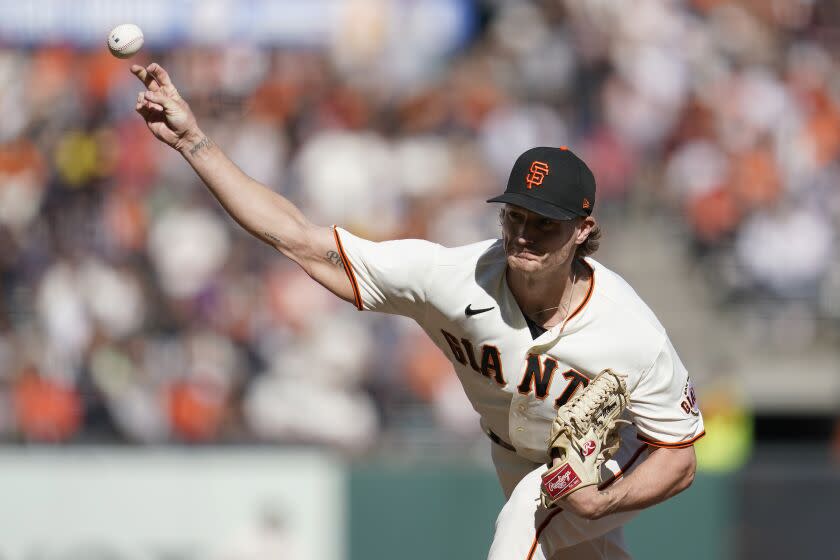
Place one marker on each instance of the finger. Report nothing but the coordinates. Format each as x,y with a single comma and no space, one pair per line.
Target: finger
149,111
144,76
155,107
143,102
151,115
143,111
160,75
161,99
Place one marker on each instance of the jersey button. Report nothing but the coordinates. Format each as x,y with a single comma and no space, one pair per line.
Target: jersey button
521,408
520,429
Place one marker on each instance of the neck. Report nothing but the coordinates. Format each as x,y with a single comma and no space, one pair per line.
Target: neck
543,298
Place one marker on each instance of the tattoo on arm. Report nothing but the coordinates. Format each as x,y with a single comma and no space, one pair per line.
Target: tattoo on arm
331,256
203,143
270,236
334,258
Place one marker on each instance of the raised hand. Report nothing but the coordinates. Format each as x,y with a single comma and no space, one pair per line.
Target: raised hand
166,113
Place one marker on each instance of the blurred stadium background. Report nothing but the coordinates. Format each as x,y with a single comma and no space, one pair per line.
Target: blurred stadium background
172,389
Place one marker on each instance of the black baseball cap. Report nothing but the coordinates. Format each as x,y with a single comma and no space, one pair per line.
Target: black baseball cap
552,182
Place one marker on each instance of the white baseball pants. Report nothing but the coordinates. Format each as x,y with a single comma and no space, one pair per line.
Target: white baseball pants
527,531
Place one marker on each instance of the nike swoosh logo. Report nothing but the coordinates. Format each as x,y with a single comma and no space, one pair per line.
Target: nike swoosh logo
470,311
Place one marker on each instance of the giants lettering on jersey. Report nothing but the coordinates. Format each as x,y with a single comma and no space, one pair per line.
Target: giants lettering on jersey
491,361
539,369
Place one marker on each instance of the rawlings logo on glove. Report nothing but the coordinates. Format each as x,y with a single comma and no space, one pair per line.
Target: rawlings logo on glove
584,435
561,482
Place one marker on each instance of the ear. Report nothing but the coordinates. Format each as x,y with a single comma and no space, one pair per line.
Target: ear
584,228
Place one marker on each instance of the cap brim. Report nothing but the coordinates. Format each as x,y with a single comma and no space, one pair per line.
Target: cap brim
536,205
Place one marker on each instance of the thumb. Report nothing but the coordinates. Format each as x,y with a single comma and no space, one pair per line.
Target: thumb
161,99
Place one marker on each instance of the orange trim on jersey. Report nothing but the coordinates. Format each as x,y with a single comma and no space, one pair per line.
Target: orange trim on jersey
588,293
540,530
624,469
677,445
348,270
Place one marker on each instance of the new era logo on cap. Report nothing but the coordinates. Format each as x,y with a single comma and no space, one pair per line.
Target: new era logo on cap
552,182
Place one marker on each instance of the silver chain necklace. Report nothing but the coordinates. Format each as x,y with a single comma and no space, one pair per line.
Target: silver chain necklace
569,302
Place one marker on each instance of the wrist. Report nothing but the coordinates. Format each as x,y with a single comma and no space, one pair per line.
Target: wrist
601,505
187,143
608,501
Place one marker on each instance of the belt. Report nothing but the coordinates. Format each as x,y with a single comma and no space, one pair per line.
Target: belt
499,441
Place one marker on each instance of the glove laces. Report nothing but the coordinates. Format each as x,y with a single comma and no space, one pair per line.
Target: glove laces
586,403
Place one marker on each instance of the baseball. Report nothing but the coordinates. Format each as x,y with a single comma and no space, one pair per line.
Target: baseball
125,40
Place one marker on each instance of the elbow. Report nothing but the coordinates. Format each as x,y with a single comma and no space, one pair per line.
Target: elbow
688,471
687,480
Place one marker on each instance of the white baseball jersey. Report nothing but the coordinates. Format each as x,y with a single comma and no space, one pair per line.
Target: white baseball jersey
516,382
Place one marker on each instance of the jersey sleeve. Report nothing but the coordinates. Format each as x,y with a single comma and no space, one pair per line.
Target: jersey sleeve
663,403
388,276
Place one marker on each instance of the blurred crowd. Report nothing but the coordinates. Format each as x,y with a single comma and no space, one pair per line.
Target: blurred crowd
133,310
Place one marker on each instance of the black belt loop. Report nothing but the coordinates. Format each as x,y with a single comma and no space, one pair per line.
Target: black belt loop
499,441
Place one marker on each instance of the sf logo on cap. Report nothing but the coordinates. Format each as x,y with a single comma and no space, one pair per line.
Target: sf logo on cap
537,173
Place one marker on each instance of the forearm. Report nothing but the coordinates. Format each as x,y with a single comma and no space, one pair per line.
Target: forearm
665,473
259,210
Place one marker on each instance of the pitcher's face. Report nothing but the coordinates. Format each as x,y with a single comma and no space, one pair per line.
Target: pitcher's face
534,243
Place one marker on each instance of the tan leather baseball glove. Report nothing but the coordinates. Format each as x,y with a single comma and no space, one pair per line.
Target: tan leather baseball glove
584,435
